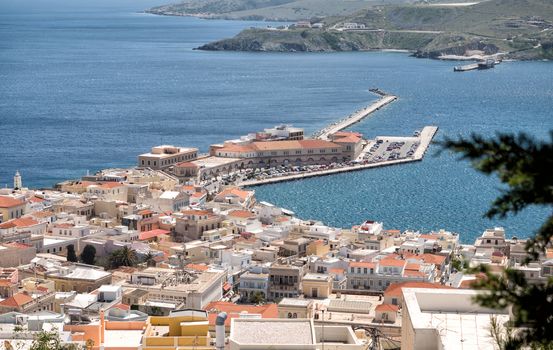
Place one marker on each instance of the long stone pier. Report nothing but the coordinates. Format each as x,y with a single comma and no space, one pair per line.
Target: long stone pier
425,137
355,117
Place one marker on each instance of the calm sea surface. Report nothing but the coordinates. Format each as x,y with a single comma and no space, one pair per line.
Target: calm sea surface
86,87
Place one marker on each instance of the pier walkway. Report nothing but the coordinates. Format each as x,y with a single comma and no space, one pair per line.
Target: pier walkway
357,116
426,136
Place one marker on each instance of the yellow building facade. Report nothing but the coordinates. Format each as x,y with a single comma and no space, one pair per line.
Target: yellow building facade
181,330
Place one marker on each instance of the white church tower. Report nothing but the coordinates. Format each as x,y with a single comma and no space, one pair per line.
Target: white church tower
17,183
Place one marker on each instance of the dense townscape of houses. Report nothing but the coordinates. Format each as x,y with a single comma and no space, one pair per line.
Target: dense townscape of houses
221,270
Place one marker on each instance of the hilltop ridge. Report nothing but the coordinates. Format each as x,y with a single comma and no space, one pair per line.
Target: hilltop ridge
518,29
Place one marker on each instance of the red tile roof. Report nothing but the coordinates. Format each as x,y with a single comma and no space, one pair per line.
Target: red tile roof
348,139
387,307
10,202
392,262
17,245
242,214
242,194
110,185
36,199
122,306
186,165
151,234
234,310
198,267
432,258
394,289
17,300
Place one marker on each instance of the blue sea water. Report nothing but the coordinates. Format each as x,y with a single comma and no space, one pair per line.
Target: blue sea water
90,85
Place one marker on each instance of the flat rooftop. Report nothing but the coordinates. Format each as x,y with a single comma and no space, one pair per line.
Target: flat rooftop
212,162
295,302
272,331
452,317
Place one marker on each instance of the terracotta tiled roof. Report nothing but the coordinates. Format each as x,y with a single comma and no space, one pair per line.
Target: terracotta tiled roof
122,306
10,202
17,245
8,224
394,289
198,267
234,310
145,212
151,234
42,214
242,214
110,185
287,145
186,165
392,262
36,199
17,300
386,307
348,139
231,147
432,259
242,194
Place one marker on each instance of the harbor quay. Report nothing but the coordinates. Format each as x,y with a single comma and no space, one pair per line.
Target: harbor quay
421,142
283,153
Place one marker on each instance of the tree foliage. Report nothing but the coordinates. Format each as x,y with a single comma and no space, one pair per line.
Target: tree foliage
149,259
45,340
524,165
71,255
88,256
123,257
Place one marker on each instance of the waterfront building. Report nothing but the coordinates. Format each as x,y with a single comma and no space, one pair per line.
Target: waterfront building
492,239
164,156
235,196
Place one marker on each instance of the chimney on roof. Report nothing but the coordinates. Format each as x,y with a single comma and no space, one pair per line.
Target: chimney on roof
220,331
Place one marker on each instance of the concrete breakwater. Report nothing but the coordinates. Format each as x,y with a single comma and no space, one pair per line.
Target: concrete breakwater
425,138
356,116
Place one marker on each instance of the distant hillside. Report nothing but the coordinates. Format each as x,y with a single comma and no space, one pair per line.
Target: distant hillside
521,28
275,10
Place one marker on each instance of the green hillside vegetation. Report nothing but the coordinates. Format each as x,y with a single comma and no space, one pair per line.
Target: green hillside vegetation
275,10
521,28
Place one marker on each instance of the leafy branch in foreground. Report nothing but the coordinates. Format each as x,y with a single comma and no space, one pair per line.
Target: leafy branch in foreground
524,166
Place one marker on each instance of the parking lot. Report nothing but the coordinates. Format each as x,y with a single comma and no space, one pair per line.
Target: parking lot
390,148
